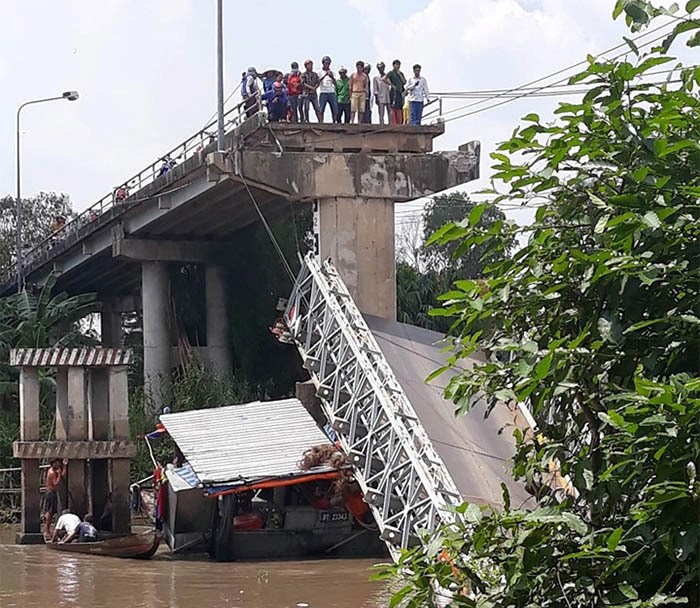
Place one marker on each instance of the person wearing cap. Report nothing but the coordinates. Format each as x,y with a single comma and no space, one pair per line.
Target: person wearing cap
342,92
309,95
367,117
294,89
397,80
359,83
326,88
277,103
417,91
381,93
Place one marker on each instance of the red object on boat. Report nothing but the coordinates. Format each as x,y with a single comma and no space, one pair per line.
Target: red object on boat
248,521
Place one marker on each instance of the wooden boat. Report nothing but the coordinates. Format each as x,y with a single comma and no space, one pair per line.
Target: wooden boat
135,546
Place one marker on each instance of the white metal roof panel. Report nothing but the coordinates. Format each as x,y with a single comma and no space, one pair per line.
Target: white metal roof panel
246,442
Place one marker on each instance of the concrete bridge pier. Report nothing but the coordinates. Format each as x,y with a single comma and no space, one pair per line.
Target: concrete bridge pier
355,176
155,294
358,235
218,351
154,256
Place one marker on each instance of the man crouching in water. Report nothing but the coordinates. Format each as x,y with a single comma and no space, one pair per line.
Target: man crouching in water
56,472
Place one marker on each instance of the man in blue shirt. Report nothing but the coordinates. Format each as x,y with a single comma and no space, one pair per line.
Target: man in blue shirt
277,103
85,531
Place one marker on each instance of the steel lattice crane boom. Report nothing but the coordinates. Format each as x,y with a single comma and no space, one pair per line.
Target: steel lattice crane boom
404,480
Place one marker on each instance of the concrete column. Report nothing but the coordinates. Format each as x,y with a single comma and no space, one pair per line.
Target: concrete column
29,431
98,429
110,325
358,235
155,294
77,419
62,425
218,331
119,429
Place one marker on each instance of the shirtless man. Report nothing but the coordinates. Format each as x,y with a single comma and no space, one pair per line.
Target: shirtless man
56,472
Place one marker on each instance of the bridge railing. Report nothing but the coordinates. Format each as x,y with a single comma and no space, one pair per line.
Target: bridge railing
192,146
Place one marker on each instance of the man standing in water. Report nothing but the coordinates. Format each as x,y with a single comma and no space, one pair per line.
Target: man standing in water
56,472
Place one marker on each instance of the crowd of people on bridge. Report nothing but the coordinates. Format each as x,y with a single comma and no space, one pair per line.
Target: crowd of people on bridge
350,98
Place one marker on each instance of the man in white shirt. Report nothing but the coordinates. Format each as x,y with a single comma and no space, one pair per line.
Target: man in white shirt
66,524
417,88
381,93
326,89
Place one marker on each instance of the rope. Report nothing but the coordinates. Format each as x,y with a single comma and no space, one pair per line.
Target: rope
270,234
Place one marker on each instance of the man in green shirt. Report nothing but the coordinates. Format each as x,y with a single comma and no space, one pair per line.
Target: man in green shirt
342,92
397,80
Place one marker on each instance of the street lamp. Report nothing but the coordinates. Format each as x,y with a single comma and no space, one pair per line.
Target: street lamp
70,96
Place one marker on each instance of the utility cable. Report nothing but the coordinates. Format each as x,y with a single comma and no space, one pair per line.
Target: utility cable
213,116
509,99
270,234
574,66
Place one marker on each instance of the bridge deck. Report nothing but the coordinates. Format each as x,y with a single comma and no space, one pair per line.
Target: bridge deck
473,451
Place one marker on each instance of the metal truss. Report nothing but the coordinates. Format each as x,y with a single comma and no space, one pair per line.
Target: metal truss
404,480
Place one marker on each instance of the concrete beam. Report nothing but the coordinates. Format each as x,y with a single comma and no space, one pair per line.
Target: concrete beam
346,137
74,450
165,251
399,177
29,403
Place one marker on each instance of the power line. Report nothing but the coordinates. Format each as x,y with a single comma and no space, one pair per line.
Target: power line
526,94
574,66
498,92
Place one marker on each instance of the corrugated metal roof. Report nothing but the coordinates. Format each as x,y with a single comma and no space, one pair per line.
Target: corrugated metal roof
246,442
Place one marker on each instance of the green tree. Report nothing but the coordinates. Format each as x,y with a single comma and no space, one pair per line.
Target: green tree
37,215
423,271
450,257
594,325
36,320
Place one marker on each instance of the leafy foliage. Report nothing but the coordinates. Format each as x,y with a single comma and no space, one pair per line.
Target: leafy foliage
36,320
594,325
37,215
431,266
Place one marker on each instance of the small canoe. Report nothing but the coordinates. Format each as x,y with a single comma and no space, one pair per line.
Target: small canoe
135,546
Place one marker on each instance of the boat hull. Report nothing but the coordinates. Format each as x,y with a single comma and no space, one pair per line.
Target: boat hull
133,546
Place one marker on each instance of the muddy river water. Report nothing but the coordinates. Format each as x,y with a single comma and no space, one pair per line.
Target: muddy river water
34,577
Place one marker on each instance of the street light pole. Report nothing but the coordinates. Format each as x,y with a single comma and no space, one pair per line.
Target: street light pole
220,74
70,96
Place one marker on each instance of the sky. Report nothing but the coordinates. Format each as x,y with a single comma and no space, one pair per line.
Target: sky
145,70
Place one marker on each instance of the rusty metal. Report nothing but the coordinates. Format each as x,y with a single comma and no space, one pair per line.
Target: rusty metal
74,450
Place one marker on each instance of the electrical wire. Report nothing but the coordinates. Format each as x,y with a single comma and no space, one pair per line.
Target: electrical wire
522,95
209,122
576,65
270,234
